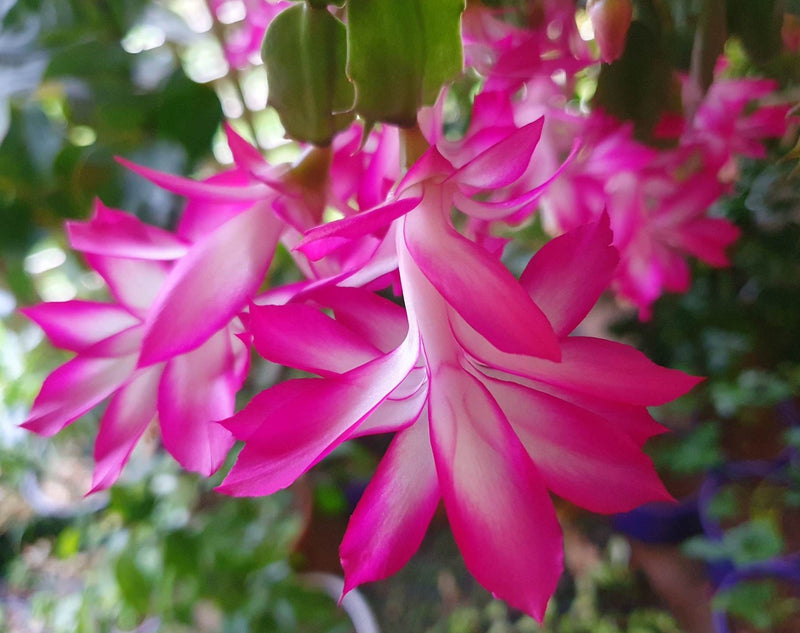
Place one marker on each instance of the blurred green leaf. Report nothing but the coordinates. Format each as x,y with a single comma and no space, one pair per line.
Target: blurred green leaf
133,584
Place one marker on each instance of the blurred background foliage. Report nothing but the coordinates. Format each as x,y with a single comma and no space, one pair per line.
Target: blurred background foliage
82,81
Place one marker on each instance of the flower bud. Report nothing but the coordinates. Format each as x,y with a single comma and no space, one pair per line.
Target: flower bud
610,21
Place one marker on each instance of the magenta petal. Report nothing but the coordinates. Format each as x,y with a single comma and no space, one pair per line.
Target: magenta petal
307,419
633,420
321,240
707,239
77,325
118,234
477,285
567,276
126,418
74,388
201,217
613,371
133,283
504,162
195,189
581,456
302,337
392,516
429,166
378,321
400,409
199,388
249,159
211,284
499,509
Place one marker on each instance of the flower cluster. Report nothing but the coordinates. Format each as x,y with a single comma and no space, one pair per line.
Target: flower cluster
494,402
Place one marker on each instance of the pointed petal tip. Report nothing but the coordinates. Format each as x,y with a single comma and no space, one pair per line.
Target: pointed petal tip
33,425
101,482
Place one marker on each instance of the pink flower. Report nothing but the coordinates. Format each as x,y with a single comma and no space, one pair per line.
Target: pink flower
492,402
186,392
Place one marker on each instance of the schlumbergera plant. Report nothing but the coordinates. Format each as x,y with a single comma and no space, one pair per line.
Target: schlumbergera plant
494,398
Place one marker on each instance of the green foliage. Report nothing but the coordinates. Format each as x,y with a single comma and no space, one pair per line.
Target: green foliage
697,451
400,52
757,602
744,544
305,53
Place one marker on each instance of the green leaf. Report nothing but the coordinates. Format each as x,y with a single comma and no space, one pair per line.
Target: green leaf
68,542
400,54
133,584
189,113
305,53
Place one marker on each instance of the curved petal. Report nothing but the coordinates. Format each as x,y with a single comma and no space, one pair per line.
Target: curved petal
135,283
504,162
206,289
569,273
198,189
305,419
378,321
589,367
201,217
400,409
198,389
302,337
249,159
119,234
499,509
126,418
633,420
323,239
610,370
580,456
475,284
393,514
74,388
77,325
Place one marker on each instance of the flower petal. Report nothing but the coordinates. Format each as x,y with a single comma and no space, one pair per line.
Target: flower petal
249,159
378,321
119,234
206,289
325,238
74,388
613,371
305,419
126,418
198,189
134,283
77,325
475,284
393,514
299,336
504,162
499,510
199,388
569,273
580,456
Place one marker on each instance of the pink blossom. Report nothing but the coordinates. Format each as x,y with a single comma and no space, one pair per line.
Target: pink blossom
186,392
242,43
460,390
